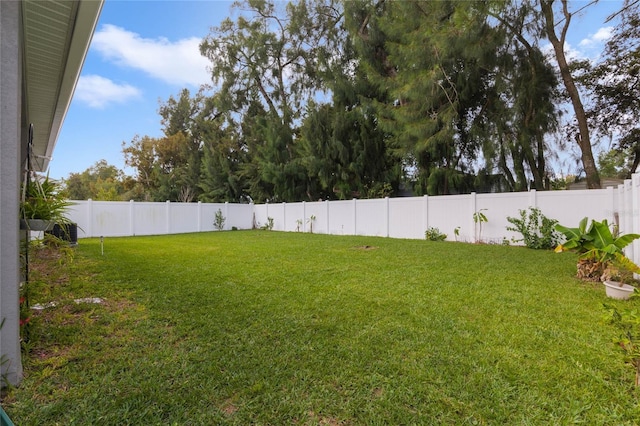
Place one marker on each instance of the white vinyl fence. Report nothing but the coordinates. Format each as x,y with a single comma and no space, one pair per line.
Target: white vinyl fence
410,217
122,218
388,217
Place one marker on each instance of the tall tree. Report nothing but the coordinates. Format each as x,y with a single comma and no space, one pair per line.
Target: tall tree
224,153
344,150
184,139
431,56
615,86
159,163
269,55
168,168
558,41
102,181
522,105
461,78
615,163
345,154
140,155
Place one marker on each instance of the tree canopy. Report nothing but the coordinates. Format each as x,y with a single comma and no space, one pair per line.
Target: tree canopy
331,99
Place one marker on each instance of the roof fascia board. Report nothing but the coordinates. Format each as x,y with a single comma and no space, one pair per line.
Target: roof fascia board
84,27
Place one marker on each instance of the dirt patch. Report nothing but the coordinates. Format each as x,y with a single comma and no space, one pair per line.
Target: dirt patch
50,264
317,418
365,248
377,393
229,408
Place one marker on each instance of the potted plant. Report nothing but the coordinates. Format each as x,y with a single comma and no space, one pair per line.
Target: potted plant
601,256
615,279
43,205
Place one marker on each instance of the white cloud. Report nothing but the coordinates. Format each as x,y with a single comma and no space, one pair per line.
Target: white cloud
570,52
178,63
601,36
98,92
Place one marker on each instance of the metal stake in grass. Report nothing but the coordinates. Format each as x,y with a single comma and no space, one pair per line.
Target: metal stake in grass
102,245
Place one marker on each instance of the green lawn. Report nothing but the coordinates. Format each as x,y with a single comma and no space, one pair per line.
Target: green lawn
268,328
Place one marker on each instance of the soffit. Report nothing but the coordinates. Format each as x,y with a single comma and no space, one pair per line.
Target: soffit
56,37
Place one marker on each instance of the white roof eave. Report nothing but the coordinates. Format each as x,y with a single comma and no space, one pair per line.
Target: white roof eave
56,37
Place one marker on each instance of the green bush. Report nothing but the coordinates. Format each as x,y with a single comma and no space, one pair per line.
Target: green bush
218,221
627,321
434,234
537,230
269,225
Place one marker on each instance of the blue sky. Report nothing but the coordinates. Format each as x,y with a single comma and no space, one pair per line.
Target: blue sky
145,51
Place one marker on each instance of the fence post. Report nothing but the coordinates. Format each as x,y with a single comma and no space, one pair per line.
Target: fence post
635,205
386,215
132,218
226,214
326,202
167,211
253,215
304,216
89,218
425,213
629,213
284,215
355,216
533,198
474,210
620,208
627,207
611,201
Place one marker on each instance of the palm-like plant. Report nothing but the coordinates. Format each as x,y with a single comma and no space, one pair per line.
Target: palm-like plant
598,248
43,199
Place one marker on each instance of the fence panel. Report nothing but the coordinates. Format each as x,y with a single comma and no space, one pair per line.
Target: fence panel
448,212
79,213
625,206
183,218
239,216
372,217
276,212
110,218
148,218
395,217
207,216
407,217
294,214
569,207
496,208
317,210
634,252
342,217
260,215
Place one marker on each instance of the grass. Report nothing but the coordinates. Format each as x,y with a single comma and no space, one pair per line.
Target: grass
258,327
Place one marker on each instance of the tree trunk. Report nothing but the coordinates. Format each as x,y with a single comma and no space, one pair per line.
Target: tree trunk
582,138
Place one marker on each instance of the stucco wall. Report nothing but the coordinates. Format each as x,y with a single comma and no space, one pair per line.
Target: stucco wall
10,136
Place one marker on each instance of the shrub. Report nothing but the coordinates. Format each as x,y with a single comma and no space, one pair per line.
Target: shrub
269,225
218,221
434,234
598,248
479,218
627,321
537,230
311,220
